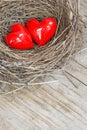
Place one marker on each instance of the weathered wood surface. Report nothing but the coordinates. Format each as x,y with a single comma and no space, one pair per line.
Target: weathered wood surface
61,105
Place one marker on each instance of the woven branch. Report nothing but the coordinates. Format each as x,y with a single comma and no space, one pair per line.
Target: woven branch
19,68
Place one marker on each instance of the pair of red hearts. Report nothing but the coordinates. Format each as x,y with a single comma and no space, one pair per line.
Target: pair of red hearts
41,32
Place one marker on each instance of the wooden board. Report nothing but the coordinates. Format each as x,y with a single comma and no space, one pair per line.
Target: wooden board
59,105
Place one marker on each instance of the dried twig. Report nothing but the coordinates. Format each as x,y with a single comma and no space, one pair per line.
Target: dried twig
21,67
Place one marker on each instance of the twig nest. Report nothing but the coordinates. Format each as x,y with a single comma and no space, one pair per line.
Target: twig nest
19,68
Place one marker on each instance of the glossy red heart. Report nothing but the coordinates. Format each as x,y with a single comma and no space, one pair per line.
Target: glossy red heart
19,38
43,31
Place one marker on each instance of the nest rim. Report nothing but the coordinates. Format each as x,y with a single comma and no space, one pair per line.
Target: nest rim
54,54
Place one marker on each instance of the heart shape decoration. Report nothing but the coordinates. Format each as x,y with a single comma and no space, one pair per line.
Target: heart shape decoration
43,31
19,37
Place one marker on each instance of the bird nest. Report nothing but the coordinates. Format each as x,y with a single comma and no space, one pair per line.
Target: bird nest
20,68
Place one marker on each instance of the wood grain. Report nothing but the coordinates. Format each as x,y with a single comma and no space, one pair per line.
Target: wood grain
59,105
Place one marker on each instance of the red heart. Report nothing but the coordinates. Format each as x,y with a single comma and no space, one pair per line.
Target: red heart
19,38
43,31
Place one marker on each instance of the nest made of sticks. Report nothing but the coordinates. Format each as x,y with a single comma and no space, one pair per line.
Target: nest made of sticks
19,68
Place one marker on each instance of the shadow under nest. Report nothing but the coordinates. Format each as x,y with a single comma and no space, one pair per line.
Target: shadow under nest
20,68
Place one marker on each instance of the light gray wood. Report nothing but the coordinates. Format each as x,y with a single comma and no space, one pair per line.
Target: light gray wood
59,105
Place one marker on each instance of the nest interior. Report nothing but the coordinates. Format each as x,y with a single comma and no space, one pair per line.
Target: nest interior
21,67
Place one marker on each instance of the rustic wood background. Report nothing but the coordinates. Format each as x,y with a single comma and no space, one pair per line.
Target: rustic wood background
60,105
